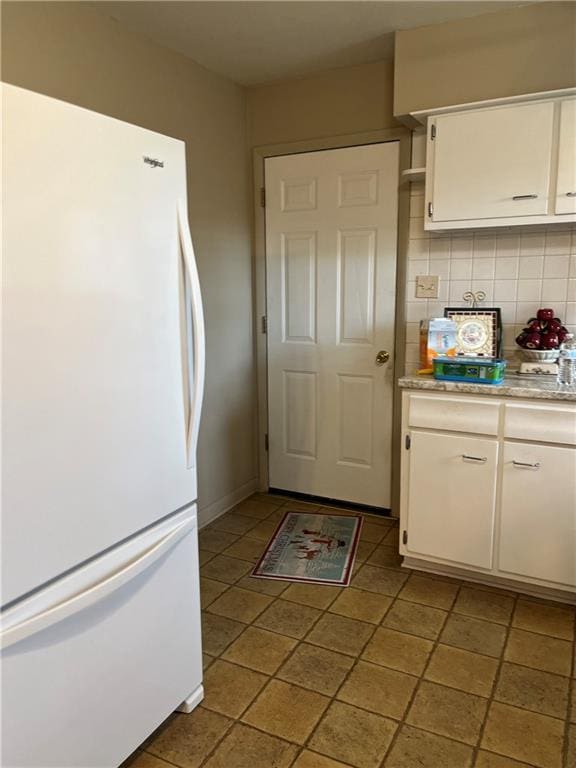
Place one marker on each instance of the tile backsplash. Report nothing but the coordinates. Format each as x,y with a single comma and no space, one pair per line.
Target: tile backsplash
519,269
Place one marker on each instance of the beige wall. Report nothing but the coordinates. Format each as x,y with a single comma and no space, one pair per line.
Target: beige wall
69,51
333,103
523,50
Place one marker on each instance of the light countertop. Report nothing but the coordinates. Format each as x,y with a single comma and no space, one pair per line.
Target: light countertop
514,385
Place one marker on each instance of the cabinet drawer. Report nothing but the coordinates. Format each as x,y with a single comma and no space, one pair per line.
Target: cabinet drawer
454,414
545,424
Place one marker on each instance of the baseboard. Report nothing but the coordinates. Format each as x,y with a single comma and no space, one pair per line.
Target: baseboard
192,701
210,513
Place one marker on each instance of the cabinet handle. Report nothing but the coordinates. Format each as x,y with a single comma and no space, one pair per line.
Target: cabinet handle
570,194
524,197
481,459
526,465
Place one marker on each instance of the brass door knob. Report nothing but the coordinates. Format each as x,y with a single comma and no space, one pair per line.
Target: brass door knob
382,357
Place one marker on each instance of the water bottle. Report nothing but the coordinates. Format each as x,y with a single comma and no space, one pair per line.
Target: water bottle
567,361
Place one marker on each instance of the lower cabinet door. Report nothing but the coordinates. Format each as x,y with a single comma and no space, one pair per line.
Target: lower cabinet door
451,498
538,519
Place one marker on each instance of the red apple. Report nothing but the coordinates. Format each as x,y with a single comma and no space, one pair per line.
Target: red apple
562,333
521,339
533,341
550,340
545,314
554,325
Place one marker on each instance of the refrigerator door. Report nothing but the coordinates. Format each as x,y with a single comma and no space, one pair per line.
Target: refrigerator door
103,356
94,663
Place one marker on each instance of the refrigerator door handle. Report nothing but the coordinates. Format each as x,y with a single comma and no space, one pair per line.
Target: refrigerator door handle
61,607
196,392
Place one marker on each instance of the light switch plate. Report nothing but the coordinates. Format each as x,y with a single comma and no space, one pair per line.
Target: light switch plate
427,286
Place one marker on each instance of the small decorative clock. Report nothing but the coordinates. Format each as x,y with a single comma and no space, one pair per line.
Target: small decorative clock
478,331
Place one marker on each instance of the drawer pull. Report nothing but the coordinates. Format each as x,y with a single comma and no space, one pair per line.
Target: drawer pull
480,459
526,465
524,197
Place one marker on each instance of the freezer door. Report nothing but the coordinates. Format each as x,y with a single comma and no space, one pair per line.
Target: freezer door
102,351
94,663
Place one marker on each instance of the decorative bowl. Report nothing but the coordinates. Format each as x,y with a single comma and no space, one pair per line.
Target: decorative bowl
539,355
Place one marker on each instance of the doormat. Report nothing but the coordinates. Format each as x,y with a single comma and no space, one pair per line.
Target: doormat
314,548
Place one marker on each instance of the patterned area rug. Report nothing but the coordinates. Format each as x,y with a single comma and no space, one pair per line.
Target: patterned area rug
314,548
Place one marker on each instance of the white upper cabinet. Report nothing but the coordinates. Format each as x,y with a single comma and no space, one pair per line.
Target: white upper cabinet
502,165
566,183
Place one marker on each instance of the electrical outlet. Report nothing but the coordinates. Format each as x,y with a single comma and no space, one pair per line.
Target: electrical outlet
427,286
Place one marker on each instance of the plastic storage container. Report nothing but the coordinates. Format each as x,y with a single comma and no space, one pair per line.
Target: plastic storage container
473,370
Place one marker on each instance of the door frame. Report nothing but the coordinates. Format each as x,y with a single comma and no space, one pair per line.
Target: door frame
259,154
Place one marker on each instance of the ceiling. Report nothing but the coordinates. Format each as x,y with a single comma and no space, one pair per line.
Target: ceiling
256,42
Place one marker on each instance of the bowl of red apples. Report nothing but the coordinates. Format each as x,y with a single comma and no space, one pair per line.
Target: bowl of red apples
542,336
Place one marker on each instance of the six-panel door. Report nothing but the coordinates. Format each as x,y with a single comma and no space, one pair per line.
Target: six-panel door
538,512
451,501
331,232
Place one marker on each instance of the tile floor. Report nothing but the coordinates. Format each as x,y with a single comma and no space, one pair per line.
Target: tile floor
399,670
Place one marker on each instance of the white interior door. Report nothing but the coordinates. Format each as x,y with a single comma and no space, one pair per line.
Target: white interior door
331,242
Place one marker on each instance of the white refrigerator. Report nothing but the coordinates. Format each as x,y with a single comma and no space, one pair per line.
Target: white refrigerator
103,373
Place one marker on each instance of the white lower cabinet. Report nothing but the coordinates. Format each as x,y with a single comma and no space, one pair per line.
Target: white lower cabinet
452,497
538,512
501,504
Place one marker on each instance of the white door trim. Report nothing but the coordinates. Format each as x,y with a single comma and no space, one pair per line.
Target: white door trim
403,136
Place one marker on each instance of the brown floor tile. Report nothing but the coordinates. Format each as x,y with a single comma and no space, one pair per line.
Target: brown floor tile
386,520
245,747
415,619
523,735
474,635
533,689
215,541
258,508
263,586
372,532
218,632
232,522
539,651
556,621
309,759
385,557
230,688
301,506
392,538
353,735
240,604
384,581
432,592
357,604
315,595
490,760
489,606
338,633
247,549
571,753
448,712
464,670
144,760
188,739
316,668
206,661
398,651
260,650
204,556
286,711
226,569
414,747
381,690
573,705
287,618
210,590
264,530
363,551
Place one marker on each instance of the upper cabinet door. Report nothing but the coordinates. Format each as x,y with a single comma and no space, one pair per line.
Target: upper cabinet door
491,163
566,184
